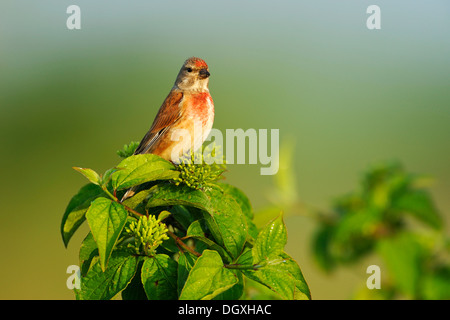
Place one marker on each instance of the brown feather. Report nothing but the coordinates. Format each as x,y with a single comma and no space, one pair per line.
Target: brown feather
169,112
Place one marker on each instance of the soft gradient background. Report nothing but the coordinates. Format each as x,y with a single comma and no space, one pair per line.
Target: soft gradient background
348,96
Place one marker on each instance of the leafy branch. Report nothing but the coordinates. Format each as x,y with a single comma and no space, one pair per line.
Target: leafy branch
182,235
392,215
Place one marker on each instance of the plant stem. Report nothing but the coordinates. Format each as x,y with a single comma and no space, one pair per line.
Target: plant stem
242,266
182,244
138,214
109,194
171,234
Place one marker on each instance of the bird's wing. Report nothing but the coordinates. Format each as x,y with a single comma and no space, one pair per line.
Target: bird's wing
169,112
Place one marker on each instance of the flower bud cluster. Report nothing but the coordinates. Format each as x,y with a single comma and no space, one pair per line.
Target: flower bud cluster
148,233
199,169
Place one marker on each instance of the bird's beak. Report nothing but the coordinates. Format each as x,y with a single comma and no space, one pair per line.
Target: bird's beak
204,73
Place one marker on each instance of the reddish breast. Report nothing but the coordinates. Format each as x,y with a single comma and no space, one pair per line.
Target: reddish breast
201,102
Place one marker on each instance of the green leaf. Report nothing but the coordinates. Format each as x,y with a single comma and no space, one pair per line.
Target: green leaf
224,216
236,291
246,258
134,201
183,215
269,265
355,233
90,174
107,176
245,205
75,212
159,277
135,289
207,278
321,247
281,274
402,255
186,261
163,215
128,149
169,194
88,251
270,241
104,285
357,224
257,291
301,289
226,221
106,220
141,168
195,231
436,284
240,198
418,203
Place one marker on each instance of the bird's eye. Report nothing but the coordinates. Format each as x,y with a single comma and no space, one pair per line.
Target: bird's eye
189,69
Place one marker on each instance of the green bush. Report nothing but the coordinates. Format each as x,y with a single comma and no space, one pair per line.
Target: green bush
182,235
394,217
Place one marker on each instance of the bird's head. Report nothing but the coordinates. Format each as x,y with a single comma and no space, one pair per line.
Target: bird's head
193,75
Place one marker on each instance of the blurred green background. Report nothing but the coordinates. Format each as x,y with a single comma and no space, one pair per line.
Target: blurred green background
348,96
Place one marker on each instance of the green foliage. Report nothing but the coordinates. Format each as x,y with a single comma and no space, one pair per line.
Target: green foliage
269,265
128,149
75,213
173,239
392,215
106,220
222,214
148,233
142,168
159,277
99,284
198,170
218,279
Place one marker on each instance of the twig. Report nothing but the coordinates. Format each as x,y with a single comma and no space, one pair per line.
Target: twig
178,241
132,211
242,266
182,244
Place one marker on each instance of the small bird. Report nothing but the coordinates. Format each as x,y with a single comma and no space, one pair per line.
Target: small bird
188,108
